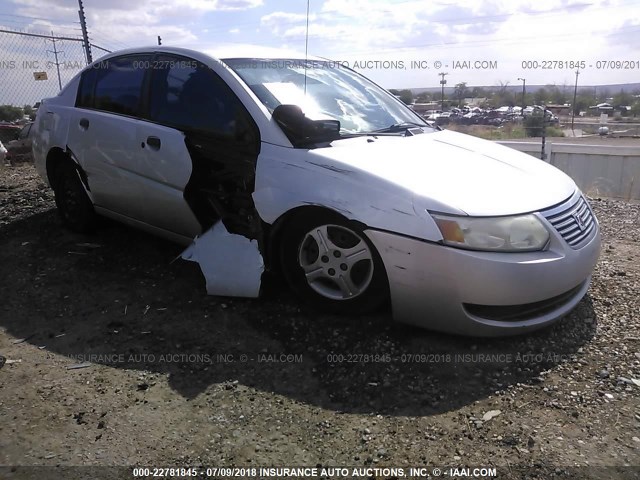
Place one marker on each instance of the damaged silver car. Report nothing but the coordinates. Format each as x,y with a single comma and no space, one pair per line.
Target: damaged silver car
306,167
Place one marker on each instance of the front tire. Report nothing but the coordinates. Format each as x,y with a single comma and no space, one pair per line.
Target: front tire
74,206
330,263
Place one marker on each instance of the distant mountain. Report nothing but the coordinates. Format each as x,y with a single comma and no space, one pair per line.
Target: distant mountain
613,88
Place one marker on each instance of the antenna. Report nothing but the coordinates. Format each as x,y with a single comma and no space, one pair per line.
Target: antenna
306,49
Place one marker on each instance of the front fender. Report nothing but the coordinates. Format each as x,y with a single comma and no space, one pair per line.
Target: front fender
285,180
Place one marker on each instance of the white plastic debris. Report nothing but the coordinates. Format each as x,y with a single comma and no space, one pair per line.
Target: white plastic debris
491,414
231,264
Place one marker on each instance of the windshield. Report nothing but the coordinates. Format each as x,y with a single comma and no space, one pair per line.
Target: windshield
332,92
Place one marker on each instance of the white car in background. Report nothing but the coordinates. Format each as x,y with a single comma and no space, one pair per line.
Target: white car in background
309,167
3,152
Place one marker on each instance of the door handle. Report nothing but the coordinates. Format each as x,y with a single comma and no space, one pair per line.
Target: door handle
84,123
154,143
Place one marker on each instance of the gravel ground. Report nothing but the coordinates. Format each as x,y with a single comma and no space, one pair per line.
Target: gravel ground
179,378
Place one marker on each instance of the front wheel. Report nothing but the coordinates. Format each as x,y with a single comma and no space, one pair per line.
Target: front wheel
330,263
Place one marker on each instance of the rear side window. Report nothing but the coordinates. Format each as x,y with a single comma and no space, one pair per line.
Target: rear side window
87,86
188,95
114,85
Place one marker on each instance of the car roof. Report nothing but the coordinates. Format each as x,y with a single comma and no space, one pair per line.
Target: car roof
219,53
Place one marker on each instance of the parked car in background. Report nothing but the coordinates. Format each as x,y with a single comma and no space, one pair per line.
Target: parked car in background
337,183
19,149
8,132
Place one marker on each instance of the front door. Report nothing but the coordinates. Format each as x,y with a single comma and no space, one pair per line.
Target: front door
200,148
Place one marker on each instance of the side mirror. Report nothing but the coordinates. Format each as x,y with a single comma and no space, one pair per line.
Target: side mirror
303,131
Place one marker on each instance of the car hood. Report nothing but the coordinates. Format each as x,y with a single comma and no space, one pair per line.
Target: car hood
452,172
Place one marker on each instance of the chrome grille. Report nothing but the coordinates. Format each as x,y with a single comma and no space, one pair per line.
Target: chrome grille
576,224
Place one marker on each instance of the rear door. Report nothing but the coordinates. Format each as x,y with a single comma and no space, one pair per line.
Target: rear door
103,135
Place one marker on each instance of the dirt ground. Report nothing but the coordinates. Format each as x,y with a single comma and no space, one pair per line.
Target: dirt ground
177,378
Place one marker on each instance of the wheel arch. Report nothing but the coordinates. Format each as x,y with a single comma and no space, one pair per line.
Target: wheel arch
276,230
55,158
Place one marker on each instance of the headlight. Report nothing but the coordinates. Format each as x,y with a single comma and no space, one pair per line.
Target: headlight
522,233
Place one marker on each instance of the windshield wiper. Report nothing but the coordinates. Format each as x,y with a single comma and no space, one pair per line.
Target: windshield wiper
395,130
375,133
402,127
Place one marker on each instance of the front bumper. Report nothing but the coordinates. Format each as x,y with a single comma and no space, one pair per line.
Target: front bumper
484,293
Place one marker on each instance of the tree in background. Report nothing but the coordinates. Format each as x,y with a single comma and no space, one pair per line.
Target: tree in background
460,92
503,97
9,113
583,102
28,110
405,95
622,98
559,96
540,96
602,94
479,92
424,97
533,124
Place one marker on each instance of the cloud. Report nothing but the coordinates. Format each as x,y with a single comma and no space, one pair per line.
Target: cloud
356,25
120,23
278,22
57,7
627,35
505,30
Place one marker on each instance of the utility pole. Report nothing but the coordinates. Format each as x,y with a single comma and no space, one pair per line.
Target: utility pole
543,153
524,82
55,52
573,106
159,40
85,34
443,82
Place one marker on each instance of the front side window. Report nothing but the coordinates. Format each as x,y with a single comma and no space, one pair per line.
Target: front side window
324,90
188,95
115,85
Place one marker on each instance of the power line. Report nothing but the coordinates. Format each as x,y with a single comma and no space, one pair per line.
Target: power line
100,48
30,18
31,26
104,38
25,34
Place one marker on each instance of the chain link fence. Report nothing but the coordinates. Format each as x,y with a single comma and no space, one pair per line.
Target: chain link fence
34,66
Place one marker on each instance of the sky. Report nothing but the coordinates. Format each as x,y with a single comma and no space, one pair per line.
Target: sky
397,43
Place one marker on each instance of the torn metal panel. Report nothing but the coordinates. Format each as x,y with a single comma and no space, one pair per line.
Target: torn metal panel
231,264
